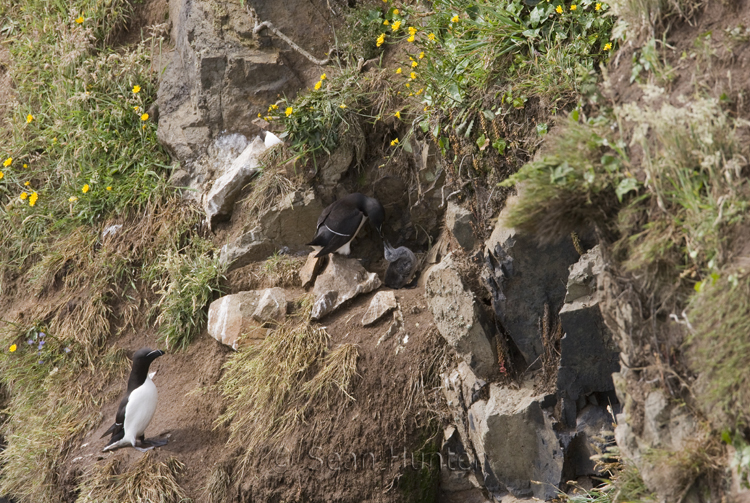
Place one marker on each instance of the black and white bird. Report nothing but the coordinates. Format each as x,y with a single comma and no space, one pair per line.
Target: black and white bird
403,264
137,407
342,220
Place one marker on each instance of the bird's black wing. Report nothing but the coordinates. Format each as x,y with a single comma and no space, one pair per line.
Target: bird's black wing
118,429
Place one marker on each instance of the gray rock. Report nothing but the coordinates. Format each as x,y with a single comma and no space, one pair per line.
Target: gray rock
522,277
516,443
249,247
242,315
342,280
591,425
380,305
336,165
459,317
460,221
588,353
219,201
309,271
292,222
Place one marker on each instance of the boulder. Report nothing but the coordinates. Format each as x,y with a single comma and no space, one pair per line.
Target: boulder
515,441
244,315
292,222
219,202
460,318
380,305
342,280
459,222
522,277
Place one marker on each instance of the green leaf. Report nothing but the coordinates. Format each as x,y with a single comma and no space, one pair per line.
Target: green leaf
482,142
541,129
626,185
575,115
499,145
424,125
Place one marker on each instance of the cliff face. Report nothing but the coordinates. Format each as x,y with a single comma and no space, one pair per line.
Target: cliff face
548,338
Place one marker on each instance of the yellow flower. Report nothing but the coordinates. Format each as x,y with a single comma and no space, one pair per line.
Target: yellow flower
454,19
380,39
136,89
413,64
29,118
1,175
274,106
394,142
72,199
27,183
410,39
25,165
398,114
342,106
396,25
420,92
431,36
407,84
395,12
573,7
143,127
24,195
412,30
136,108
32,198
559,9
7,161
323,77
79,19
109,187
85,188
598,6
144,117
413,75
259,115
386,22
421,55
607,46
54,140
318,84
288,111
12,348
398,70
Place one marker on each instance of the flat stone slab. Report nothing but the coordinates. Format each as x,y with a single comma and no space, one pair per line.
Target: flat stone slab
380,305
342,280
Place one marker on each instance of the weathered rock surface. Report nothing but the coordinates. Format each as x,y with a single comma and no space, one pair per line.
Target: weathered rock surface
219,201
244,314
522,277
459,222
380,305
289,224
459,317
221,75
588,353
342,280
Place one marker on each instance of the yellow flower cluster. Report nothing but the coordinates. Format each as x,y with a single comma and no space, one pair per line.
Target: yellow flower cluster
454,19
288,111
79,20
85,188
7,162
136,89
29,118
380,40
396,25
394,142
32,198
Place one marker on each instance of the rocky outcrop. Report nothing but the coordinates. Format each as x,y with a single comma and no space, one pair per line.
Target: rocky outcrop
246,315
288,225
460,318
222,74
342,280
522,278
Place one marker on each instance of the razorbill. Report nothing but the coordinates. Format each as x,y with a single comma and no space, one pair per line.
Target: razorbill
402,266
137,407
342,220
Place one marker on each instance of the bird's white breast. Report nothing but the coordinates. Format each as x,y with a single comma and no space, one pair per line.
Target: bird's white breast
139,410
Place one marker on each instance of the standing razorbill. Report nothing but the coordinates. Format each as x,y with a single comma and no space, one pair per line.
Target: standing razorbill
403,264
341,221
137,407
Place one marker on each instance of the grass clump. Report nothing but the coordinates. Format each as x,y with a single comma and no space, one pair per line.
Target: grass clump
652,16
147,480
192,277
270,386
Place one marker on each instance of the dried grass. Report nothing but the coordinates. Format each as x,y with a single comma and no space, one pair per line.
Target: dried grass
147,481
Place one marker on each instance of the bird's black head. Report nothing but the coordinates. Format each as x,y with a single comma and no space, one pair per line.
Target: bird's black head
375,213
141,362
147,355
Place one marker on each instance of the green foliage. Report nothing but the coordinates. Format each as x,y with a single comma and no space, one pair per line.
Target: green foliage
190,279
741,458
